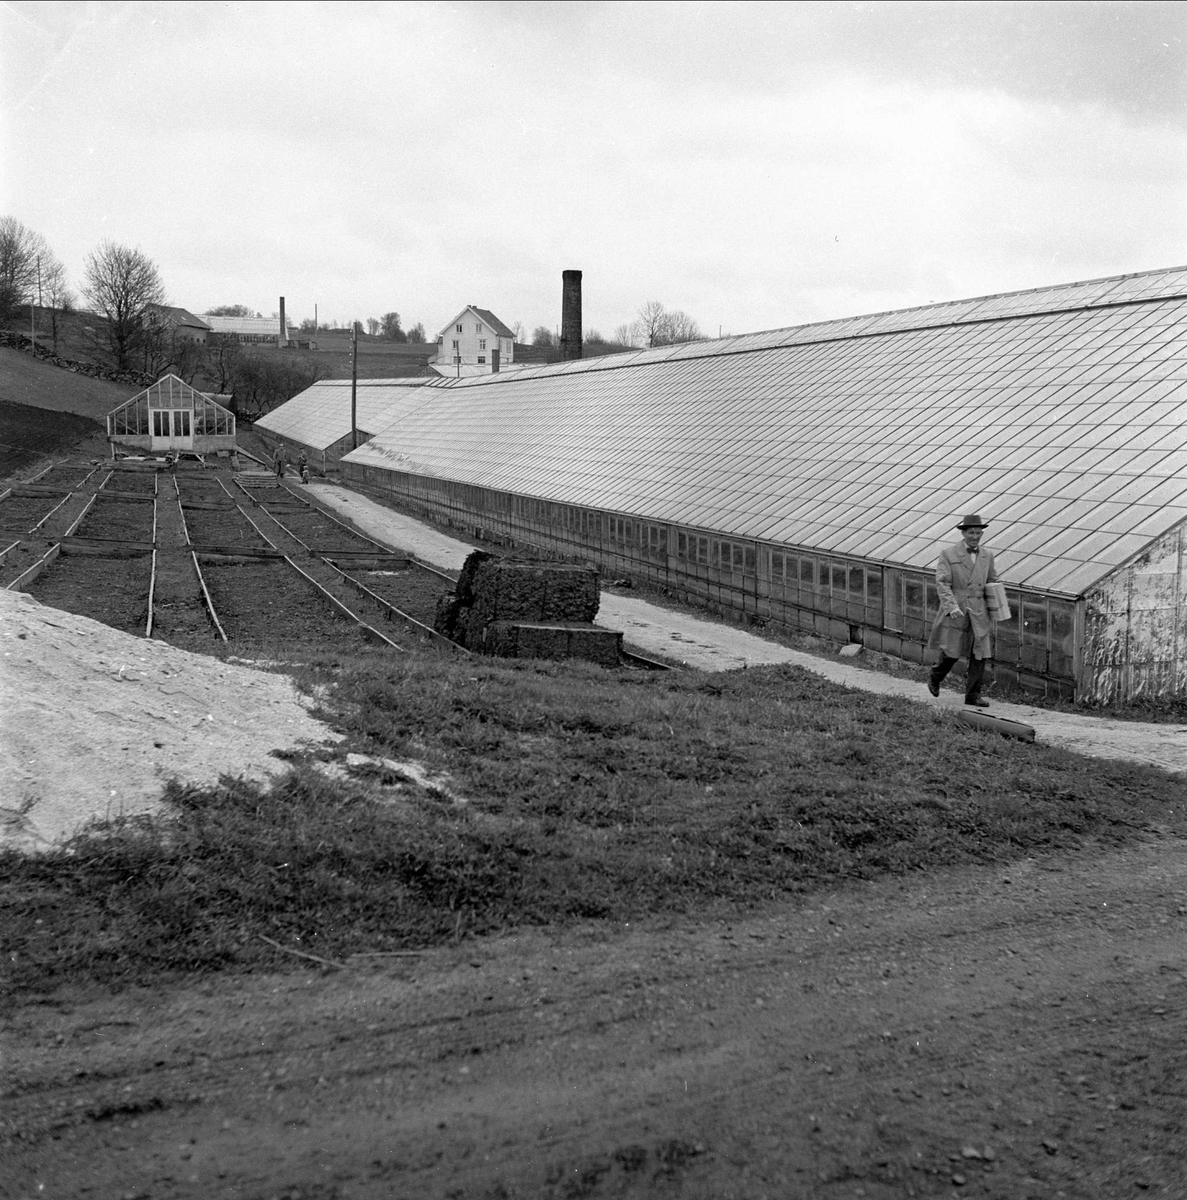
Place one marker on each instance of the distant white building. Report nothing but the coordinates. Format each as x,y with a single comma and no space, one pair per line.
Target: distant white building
475,342
250,330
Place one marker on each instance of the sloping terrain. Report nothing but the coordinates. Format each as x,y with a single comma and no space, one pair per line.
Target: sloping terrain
26,380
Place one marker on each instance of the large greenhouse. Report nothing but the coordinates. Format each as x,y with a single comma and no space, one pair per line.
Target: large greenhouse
808,477
318,420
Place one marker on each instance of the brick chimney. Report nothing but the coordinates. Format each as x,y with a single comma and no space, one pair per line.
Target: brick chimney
571,316
282,340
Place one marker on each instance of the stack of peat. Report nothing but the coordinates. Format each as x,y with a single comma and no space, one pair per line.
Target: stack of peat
527,610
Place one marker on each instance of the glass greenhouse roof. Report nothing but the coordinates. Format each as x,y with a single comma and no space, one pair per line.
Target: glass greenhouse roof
320,416
1060,414
168,392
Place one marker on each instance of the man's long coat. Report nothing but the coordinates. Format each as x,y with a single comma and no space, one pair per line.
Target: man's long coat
961,580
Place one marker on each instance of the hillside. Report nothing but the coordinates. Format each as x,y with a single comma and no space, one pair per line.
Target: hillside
377,359
26,380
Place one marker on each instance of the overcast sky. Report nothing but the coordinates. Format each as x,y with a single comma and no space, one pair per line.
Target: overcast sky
756,165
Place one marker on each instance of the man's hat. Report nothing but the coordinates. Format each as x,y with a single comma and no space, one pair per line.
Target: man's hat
972,521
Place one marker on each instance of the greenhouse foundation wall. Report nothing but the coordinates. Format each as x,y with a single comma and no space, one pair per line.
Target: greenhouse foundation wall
885,607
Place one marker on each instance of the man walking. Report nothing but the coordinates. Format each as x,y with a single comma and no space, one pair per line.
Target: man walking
963,626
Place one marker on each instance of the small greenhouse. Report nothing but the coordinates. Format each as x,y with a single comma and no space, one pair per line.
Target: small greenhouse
171,415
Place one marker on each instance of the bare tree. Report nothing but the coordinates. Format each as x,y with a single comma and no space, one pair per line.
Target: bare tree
263,382
120,283
682,328
57,297
188,358
416,334
624,335
518,332
24,255
155,343
650,323
543,336
222,363
231,310
593,337
655,325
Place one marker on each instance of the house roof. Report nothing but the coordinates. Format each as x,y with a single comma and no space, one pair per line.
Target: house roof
485,315
320,416
489,317
1060,413
178,316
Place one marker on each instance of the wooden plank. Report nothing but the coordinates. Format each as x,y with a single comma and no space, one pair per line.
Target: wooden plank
369,630
208,601
86,508
152,588
1003,725
25,578
106,547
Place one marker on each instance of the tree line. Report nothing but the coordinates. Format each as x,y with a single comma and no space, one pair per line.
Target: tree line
653,325
123,287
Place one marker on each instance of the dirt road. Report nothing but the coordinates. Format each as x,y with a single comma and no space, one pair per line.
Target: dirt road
1009,1033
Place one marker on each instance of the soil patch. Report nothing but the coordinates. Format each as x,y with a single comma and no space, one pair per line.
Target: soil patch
256,600
119,520
28,433
86,584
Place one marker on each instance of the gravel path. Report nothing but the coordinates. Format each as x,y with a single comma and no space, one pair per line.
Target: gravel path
712,646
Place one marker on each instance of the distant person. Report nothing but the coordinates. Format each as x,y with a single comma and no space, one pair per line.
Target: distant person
963,626
279,461
303,466
235,460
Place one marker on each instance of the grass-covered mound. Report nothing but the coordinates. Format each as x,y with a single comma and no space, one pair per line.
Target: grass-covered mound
590,794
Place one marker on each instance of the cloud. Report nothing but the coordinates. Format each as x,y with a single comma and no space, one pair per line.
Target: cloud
754,165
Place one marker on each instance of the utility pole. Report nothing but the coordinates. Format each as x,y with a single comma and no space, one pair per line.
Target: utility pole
32,317
354,384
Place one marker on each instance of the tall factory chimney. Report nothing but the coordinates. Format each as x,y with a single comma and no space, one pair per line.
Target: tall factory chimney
571,316
282,340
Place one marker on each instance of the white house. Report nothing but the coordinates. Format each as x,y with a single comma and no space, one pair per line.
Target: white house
475,341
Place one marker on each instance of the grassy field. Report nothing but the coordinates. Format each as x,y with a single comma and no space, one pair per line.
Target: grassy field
27,380
45,410
590,795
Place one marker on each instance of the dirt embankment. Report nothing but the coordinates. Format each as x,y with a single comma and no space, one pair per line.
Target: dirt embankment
96,721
